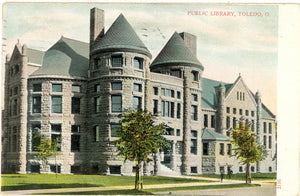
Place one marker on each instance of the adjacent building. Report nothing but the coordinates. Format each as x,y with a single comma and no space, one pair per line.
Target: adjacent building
75,92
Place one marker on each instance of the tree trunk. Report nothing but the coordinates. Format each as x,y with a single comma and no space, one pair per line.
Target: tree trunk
138,180
248,174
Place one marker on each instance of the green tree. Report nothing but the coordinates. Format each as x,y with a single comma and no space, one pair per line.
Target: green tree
246,148
45,149
138,138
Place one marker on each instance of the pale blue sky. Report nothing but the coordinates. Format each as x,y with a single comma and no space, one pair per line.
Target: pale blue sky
227,45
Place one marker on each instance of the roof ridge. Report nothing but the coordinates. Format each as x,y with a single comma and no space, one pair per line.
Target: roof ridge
72,39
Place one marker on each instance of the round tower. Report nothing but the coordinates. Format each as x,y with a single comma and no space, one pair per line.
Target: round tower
178,58
221,110
118,81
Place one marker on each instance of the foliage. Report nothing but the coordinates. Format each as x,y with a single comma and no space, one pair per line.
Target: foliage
241,176
139,138
46,148
246,147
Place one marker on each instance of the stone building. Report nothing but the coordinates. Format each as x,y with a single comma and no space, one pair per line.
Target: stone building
75,92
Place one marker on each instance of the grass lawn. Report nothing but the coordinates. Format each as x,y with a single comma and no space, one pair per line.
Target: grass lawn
48,181
151,191
242,176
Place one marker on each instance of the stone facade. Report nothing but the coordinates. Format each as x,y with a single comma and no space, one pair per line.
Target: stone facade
83,109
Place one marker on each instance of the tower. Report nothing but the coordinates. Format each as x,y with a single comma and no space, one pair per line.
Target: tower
221,109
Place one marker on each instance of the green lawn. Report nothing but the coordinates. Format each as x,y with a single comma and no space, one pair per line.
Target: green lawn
153,190
242,176
48,181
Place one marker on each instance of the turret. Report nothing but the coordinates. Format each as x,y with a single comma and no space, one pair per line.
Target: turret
221,109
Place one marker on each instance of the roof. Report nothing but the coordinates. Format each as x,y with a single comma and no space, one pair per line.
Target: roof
209,94
35,56
66,57
121,36
176,52
212,135
266,113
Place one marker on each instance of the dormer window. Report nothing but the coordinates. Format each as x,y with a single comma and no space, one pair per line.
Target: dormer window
195,75
138,63
117,61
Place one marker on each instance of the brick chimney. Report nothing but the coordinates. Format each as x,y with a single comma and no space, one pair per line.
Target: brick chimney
190,41
96,25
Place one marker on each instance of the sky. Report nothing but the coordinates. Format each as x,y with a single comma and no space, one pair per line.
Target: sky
226,45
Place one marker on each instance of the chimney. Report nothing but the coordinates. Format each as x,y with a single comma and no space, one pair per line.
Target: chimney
96,25
190,41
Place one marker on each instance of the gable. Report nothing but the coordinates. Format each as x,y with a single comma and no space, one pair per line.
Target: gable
240,96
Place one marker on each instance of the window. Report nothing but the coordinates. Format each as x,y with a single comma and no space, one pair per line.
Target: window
15,107
270,169
228,110
37,87
35,139
16,90
56,87
97,104
114,127
163,108
155,90
117,61
227,122
234,111
247,113
97,88
178,95
205,121
240,169
237,95
116,103
252,113
172,93
228,149
270,127
194,170
75,105
194,97
172,109
96,63
137,87
155,106
265,127
241,111
137,103
36,104
34,168
75,128
17,69
115,169
265,141
195,75
205,148
270,142
194,112
56,104
222,170
167,109
163,91
75,143
194,133
178,110
177,132
169,131
243,96
76,88
56,135
55,168
212,123
138,63
221,148
252,125
116,85
194,146
168,92
252,168
97,133
234,122
176,73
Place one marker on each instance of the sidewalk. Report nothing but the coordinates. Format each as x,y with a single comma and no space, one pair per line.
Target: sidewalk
84,189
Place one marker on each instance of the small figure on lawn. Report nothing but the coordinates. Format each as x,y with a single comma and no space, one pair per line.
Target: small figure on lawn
229,174
222,176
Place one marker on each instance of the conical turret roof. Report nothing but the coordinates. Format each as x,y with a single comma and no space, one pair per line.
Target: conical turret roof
121,36
176,52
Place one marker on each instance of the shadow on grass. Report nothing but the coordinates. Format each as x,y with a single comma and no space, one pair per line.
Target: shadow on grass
45,186
108,192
